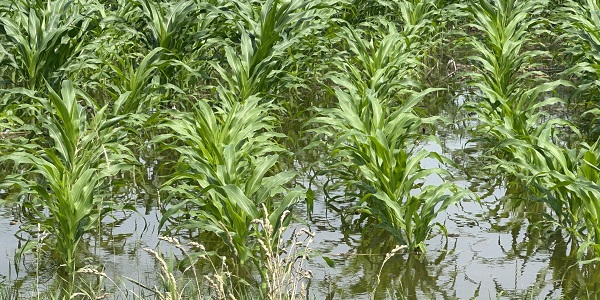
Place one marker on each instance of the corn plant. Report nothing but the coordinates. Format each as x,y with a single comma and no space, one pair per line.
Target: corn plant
361,11
580,23
226,171
513,94
421,21
172,27
134,88
43,37
511,115
567,181
385,67
391,52
185,30
149,51
266,35
417,17
375,130
374,140
581,26
66,182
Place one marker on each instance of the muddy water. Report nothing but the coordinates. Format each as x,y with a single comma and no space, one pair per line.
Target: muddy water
493,250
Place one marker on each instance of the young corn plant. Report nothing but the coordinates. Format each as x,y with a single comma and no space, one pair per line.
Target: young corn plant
512,94
226,172
362,11
373,140
149,51
511,114
171,25
375,129
43,37
66,183
568,182
417,18
581,21
185,30
389,57
266,35
581,35
384,67
427,25
420,21
134,87
39,39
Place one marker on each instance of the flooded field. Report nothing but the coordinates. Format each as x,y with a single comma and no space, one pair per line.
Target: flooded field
296,149
491,252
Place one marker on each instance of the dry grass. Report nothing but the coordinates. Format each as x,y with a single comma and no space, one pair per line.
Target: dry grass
284,259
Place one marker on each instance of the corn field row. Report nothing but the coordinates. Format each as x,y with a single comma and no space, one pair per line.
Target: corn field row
218,103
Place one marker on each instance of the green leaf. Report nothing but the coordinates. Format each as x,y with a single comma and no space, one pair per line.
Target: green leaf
329,261
236,195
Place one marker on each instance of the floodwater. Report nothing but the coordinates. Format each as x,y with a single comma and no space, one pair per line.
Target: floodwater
486,256
494,249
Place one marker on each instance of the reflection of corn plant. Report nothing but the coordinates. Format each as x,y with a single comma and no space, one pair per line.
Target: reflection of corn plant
67,198
224,168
